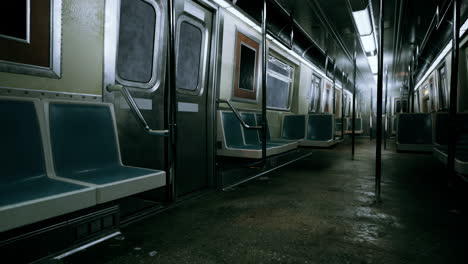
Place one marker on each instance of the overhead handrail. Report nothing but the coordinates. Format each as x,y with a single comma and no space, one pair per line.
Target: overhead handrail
238,116
135,110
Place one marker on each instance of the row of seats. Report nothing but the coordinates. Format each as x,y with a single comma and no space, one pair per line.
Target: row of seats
297,130
236,141
347,124
57,157
414,132
441,140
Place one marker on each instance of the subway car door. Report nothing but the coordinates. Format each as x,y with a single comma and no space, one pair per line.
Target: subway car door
134,57
193,41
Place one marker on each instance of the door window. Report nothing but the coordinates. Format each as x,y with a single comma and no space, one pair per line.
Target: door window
137,49
189,56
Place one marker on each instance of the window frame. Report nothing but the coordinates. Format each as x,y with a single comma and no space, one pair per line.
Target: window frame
157,69
283,78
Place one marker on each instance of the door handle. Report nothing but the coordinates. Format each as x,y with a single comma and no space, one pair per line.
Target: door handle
135,110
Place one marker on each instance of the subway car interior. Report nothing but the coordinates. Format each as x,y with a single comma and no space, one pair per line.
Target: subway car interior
234,131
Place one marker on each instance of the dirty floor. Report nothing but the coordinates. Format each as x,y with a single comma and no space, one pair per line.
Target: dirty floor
317,210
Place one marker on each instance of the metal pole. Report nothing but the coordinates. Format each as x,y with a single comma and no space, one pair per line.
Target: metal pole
378,152
172,104
264,93
385,107
353,123
334,94
342,106
452,125
371,113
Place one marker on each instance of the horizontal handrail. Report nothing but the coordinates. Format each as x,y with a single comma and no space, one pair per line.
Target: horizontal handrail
238,116
135,110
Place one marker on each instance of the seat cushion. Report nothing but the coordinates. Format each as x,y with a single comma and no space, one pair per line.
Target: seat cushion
108,175
83,138
320,127
293,127
34,200
21,149
415,129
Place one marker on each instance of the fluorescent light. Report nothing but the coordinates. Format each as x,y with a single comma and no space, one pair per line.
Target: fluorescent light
373,63
363,22
463,28
369,43
222,3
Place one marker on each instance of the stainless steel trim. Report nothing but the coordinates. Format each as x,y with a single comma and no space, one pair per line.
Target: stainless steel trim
73,251
134,107
43,94
238,116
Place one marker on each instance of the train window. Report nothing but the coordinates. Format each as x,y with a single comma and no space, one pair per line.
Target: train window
416,101
443,103
14,23
431,94
136,56
327,98
316,93
426,100
404,105
279,84
245,79
338,102
28,43
189,56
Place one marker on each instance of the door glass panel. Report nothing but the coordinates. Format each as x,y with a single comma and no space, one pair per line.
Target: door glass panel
189,56
136,41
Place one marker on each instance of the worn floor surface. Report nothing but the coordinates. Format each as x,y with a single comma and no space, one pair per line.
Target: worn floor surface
318,210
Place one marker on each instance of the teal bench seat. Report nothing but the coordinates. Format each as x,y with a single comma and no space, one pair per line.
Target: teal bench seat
414,132
440,139
293,127
27,192
235,141
85,149
358,130
320,131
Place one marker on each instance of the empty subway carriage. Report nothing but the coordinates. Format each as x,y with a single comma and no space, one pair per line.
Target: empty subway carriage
122,108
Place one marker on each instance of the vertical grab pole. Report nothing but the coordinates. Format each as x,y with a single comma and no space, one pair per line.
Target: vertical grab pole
385,108
452,125
264,93
371,112
353,123
343,107
378,152
171,194
334,93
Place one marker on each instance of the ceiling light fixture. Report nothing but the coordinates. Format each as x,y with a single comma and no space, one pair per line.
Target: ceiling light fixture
363,22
